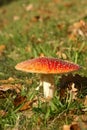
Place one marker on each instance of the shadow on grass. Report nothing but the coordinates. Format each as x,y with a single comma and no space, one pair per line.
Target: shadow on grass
5,2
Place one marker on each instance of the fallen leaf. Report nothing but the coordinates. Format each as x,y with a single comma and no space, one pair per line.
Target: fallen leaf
27,105
37,18
85,102
56,1
84,118
5,87
42,55
69,4
79,81
9,80
29,7
2,48
39,40
81,120
60,26
20,100
61,55
2,113
4,11
28,49
15,18
66,127
72,37
78,28
73,91
2,95
75,126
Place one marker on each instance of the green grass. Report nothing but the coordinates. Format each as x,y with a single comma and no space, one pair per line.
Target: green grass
42,30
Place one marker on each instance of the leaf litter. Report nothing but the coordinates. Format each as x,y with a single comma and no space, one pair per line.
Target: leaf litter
78,29
9,84
2,49
80,83
19,101
23,102
75,84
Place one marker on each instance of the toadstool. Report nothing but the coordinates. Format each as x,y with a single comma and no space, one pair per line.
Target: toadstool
47,67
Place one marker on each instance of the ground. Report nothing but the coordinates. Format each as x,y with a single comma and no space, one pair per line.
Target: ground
35,28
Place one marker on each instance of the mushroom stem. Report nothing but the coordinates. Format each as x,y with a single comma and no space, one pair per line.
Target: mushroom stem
48,85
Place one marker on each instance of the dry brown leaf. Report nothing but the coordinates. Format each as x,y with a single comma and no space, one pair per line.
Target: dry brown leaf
15,18
27,105
2,48
79,123
81,120
56,1
61,55
29,7
42,55
28,49
84,118
68,4
66,81
72,37
60,26
78,28
20,100
2,95
73,126
9,80
37,18
66,127
85,101
73,91
85,104
2,113
39,40
5,87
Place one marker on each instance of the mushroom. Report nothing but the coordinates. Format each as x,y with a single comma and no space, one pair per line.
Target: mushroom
47,67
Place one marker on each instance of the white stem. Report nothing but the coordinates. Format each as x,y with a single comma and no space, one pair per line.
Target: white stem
48,85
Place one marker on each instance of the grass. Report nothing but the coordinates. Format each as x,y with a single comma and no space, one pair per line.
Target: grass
29,33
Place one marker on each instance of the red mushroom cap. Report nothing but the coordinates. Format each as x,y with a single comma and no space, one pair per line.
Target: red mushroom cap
46,65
